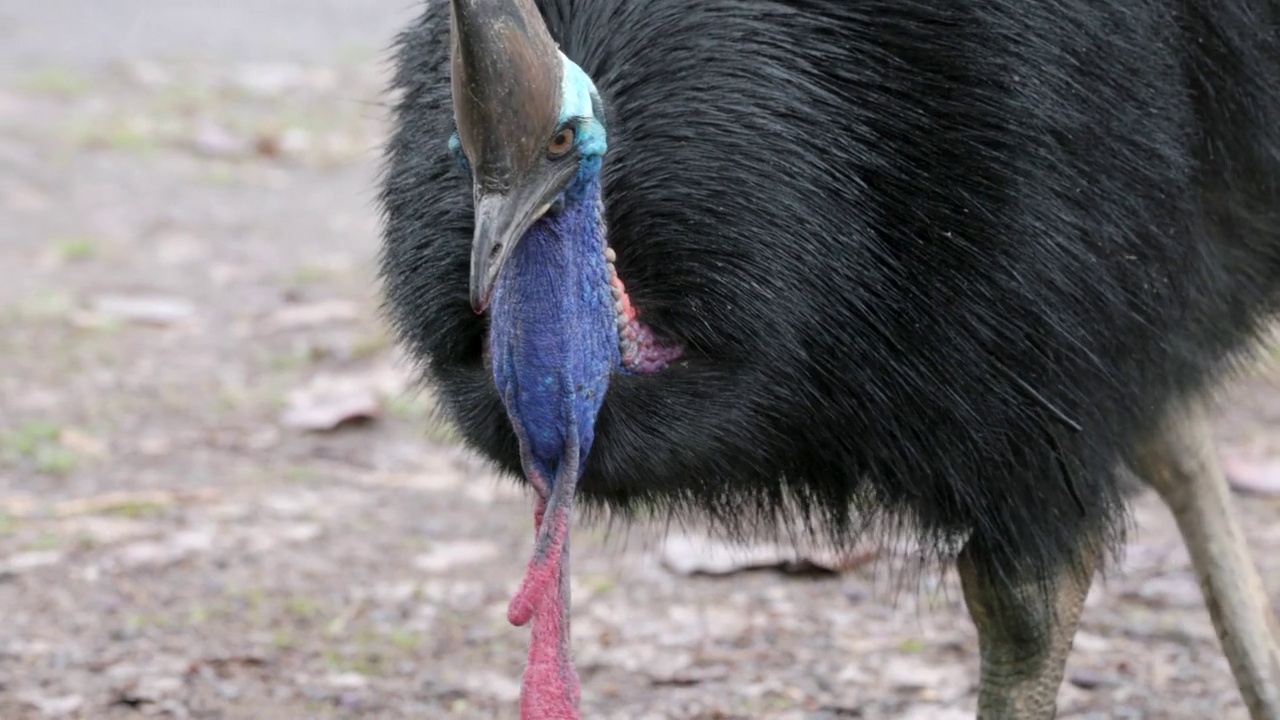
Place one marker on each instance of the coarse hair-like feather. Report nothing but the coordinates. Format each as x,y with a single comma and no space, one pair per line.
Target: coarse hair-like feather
937,263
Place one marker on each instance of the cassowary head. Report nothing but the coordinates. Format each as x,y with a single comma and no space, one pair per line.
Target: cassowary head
530,128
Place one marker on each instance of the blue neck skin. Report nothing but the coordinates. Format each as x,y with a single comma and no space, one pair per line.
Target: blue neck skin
553,328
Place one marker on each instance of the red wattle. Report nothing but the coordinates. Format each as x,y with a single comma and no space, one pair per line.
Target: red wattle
543,568
550,689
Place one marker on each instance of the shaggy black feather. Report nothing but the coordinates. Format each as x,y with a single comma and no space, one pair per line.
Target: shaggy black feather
940,263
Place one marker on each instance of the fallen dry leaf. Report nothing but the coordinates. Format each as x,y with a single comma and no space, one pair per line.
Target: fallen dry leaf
280,533
936,712
429,480
1175,589
698,555
492,684
692,675
160,310
290,141
123,500
447,555
29,561
307,315
213,140
915,673
178,546
1253,477
270,79
82,442
146,690
223,662
28,199
1091,679
58,706
329,402
103,530
347,681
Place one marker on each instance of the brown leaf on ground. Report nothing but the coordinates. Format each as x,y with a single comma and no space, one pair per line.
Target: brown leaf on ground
700,555
82,442
128,502
213,140
147,690
329,402
444,556
53,706
30,560
307,315
158,310
1253,477
223,663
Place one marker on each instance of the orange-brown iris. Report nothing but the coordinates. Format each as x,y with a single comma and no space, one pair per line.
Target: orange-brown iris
561,142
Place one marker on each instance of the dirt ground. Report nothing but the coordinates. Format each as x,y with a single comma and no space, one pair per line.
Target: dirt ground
187,299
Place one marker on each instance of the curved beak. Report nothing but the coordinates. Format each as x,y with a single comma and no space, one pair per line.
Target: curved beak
500,224
501,221
506,75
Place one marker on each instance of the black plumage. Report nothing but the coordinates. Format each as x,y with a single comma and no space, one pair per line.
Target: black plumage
939,264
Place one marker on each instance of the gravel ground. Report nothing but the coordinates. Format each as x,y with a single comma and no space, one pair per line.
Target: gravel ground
187,302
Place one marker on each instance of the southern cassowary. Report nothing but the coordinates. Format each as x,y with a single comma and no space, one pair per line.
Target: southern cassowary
952,267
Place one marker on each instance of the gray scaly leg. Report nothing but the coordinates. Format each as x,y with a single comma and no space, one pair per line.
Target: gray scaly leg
1183,467
1024,637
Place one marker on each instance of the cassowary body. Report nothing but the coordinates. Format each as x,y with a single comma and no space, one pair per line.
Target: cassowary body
951,265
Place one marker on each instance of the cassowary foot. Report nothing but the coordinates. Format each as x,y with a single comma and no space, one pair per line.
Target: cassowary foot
1024,638
1182,466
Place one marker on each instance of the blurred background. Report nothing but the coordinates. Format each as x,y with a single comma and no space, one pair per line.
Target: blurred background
221,495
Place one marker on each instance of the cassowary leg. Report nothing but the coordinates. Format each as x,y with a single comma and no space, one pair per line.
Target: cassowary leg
1025,631
1182,465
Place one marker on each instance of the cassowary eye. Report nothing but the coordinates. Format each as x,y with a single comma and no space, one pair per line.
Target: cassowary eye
561,143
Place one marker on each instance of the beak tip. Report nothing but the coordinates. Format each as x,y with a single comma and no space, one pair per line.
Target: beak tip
480,302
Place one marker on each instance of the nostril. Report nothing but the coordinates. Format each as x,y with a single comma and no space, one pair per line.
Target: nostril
493,253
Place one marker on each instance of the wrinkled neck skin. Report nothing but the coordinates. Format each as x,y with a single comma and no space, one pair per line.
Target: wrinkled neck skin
554,334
